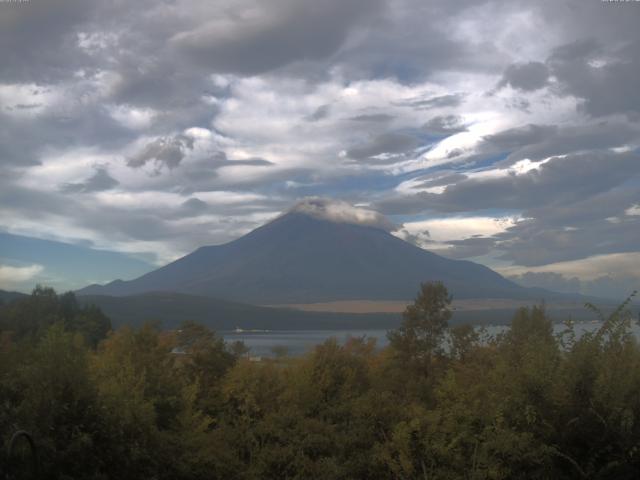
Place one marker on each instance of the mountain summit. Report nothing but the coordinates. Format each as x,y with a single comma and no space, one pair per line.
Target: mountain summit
339,211
318,251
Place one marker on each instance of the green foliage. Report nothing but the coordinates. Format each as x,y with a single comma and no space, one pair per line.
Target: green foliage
46,390
31,316
464,338
148,404
424,325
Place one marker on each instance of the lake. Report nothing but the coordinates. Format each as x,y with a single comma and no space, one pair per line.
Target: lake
299,342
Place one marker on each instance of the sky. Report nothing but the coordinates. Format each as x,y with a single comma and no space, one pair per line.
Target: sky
503,132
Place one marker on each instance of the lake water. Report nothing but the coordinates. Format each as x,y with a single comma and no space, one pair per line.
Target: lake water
299,342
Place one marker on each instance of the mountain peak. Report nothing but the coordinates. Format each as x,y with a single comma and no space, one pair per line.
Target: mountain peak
321,250
339,211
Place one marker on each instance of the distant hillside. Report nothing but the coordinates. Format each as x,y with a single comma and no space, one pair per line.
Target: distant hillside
299,258
171,309
6,297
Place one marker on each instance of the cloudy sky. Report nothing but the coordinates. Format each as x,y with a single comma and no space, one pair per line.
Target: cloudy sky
505,132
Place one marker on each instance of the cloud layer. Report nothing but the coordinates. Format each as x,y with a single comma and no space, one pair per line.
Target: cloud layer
153,128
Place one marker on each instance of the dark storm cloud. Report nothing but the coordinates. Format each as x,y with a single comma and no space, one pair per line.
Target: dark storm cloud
192,207
416,238
515,138
57,130
597,58
558,181
393,143
580,139
574,208
569,230
16,148
525,76
320,113
413,41
201,174
163,152
521,104
604,78
219,159
99,181
607,204
22,106
572,230
373,117
162,83
534,243
38,39
444,125
580,50
537,142
274,37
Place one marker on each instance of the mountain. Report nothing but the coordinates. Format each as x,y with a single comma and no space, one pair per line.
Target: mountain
302,258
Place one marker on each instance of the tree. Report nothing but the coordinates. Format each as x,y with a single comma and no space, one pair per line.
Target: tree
31,316
46,390
91,323
463,338
424,324
207,361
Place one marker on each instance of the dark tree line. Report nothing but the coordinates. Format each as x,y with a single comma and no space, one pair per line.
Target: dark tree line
144,403
30,317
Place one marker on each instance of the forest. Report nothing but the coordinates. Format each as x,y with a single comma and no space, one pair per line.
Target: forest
439,402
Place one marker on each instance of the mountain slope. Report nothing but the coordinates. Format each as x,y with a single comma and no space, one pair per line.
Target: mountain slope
300,258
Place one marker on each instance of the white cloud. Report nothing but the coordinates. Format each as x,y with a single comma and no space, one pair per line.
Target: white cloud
293,129
12,277
131,117
58,168
342,212
634,210
459,228
268,118
27,99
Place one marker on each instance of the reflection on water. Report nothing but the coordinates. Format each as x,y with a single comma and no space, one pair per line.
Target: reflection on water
298,342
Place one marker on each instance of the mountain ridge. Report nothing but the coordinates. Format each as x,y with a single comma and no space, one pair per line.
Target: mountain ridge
302,258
